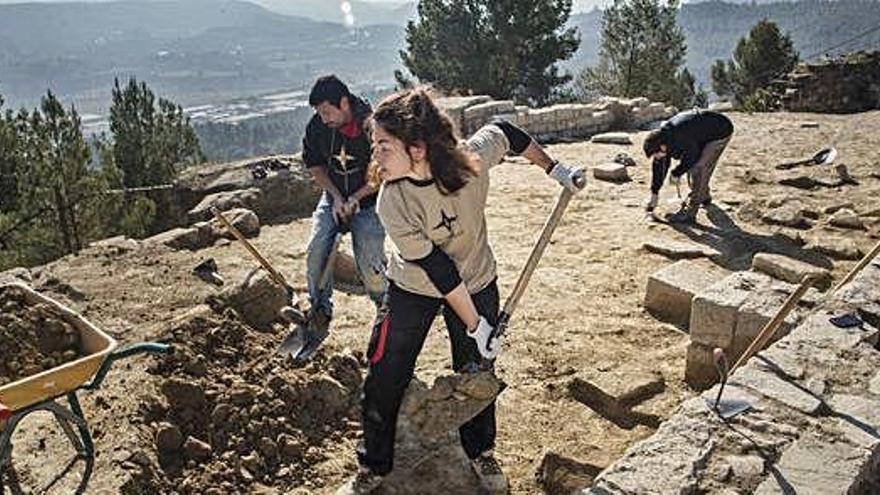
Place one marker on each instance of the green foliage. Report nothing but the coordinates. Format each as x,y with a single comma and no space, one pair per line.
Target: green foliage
760,58
56,206
503,48
642,54
152,142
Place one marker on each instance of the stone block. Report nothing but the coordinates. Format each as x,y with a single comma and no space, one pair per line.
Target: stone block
699,370
846,218
758,309
678,250
858,418
838,248
714,310
249,198
670,461
874,387
790,270
561,475
812,466
612,138
489,108
611,172
179,238
758,379
670,290
242,219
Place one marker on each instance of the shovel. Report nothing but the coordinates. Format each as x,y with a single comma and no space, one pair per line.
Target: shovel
823,157
304,339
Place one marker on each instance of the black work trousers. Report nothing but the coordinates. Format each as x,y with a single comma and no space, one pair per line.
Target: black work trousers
397,339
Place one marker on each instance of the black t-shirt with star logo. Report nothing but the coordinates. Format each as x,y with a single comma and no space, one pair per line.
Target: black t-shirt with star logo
346,159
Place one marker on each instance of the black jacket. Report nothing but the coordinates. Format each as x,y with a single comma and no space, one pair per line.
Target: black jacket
685,135
322,146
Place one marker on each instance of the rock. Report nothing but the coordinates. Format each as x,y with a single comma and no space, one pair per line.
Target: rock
757,379
852,412
191,238
196,449
560,475
168,438
120,243
847,219
790,270
611,138
670,291
714,311
809,125
678,250
789,215
257,299
813,465
17,274
615,390
244,220
835,247
828,210
252,462
291,447
226,200
611,172
670,461
268,448
746,467
874,388
436,414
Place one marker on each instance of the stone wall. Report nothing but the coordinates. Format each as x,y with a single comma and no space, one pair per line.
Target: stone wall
556,122
844,85
813,425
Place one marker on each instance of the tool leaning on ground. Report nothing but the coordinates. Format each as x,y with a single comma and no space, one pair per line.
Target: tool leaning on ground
534,257
303,341
295,313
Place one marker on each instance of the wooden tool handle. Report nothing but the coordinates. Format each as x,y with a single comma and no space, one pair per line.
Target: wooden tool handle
277,277
856,269
5,412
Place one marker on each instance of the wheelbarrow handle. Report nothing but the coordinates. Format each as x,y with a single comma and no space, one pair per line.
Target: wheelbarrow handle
127,351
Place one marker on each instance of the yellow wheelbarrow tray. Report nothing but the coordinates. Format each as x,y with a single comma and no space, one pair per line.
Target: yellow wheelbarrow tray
39,392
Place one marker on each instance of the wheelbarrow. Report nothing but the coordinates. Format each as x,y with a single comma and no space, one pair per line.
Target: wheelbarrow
40,392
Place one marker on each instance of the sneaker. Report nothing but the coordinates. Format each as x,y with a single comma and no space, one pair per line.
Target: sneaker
361,483
491,476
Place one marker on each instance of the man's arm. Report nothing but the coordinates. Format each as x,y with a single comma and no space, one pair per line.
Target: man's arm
689,158
320,175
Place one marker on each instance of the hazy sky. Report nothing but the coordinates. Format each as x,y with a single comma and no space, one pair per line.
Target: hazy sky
578,4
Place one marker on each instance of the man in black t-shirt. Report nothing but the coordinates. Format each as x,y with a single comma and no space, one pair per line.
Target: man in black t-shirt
696,138
336,150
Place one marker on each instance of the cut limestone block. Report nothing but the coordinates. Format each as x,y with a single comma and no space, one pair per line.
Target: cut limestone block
611,172
790,270
759,308
714,310
612,138
678,250
559,474
838,248
847,219
699,371
669,291
816,466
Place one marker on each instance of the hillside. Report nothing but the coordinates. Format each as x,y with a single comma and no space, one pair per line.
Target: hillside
190,51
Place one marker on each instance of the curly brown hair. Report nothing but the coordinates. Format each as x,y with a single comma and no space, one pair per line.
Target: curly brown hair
413,117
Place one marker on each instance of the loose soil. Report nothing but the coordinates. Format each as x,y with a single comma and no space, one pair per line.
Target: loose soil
33,338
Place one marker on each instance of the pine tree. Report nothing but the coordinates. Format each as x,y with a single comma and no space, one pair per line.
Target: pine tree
759,58
503,48
643,54
151,142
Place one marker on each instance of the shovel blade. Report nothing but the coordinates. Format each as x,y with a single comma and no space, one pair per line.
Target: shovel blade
294,342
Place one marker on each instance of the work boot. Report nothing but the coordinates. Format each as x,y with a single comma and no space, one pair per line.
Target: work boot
362,483
491,476
687,214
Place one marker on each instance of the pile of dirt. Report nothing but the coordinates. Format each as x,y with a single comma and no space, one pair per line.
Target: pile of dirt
33,337
234,416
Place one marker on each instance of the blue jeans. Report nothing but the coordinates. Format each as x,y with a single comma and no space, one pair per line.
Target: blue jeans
368,238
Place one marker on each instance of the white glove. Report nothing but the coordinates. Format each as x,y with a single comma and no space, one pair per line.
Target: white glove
488,345
568,177
652,203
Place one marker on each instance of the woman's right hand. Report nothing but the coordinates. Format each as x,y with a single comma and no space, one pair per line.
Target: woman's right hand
488,345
